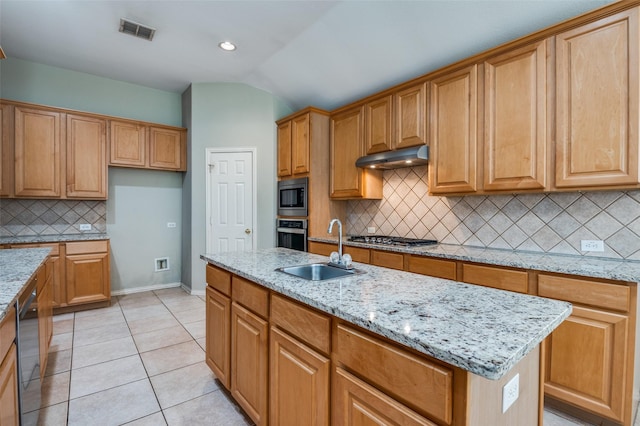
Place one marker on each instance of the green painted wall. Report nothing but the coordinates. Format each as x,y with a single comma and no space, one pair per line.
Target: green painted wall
223,115
140,201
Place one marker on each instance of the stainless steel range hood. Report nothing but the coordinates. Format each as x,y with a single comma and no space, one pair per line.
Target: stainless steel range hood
406,157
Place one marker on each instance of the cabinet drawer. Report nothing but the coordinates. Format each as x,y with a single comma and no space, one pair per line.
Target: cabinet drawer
7,331
219,279
585,291
55,248
310,327
250,295
101,246
387,259
504,279
432,267
358,254
424,385
323,249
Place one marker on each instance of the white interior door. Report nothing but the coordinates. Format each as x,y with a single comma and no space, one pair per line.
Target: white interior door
231,200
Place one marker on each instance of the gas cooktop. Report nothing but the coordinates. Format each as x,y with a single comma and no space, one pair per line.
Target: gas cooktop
394,241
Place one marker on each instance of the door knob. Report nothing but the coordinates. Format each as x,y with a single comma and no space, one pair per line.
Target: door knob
247,231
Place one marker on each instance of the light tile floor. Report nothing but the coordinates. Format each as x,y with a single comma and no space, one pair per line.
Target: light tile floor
137,362
141,362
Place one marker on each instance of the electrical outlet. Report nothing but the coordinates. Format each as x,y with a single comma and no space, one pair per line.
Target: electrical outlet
85,227
371,230
510,392
591,245
171,224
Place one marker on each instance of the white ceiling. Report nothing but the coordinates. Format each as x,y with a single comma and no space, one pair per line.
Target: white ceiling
322,53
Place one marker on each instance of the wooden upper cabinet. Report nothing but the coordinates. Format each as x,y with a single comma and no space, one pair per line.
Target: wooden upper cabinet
86,157
347,145
300,144
167,148
378,119
38,151
515,134
454,131
410,112
6,150
597,103
128,144
284,149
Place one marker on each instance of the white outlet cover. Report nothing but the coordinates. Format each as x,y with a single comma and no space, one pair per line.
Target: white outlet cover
171,224
85,227
592,245
510,392
371,230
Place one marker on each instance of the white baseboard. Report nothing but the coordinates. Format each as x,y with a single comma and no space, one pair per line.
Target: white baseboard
149,288
194,292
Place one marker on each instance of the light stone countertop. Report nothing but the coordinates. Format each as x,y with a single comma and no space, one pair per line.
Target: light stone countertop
53,238
479,329
588,266
17,267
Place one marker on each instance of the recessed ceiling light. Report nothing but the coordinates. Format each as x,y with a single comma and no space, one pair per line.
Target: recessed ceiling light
227,45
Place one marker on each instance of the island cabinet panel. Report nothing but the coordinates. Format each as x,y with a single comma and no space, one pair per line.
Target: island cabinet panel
306,324
429,266
9,414
387,259
597,93
55,261
425,386
490,276
219,279
86,157
251,296
453,140
515,133
87,272
589,358
299,383
39,135
218,335
356,403
249,362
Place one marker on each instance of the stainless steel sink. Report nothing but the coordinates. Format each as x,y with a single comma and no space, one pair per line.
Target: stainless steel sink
318,271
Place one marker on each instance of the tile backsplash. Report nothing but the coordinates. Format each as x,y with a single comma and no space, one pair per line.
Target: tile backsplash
552,223
21,218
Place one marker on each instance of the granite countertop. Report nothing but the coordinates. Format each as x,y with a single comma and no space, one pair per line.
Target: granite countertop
17,267
52,238
479,329
588,266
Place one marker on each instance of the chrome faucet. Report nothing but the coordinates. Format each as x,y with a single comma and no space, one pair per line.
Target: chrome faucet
341,261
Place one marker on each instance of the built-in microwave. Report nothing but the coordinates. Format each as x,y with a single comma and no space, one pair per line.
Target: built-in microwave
292,197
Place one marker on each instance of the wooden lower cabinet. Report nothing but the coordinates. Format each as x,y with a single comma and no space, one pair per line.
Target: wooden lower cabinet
45,313
249,362
9,414
299,383
218,335
87,272
589,358
356,403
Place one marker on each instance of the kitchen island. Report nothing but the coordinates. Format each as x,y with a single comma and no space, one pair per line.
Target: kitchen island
471,340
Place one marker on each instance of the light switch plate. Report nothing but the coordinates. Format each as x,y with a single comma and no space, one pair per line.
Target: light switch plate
510,392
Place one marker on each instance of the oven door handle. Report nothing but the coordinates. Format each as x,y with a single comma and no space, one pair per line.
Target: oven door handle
292,230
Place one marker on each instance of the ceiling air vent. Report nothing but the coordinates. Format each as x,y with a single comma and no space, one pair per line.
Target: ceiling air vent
136,29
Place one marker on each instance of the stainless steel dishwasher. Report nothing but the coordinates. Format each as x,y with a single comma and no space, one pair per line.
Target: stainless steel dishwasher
28,344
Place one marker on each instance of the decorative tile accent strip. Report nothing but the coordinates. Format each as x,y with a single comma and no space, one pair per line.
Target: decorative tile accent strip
549,223
20,218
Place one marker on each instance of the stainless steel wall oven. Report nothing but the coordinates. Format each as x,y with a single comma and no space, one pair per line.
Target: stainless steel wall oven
292,233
